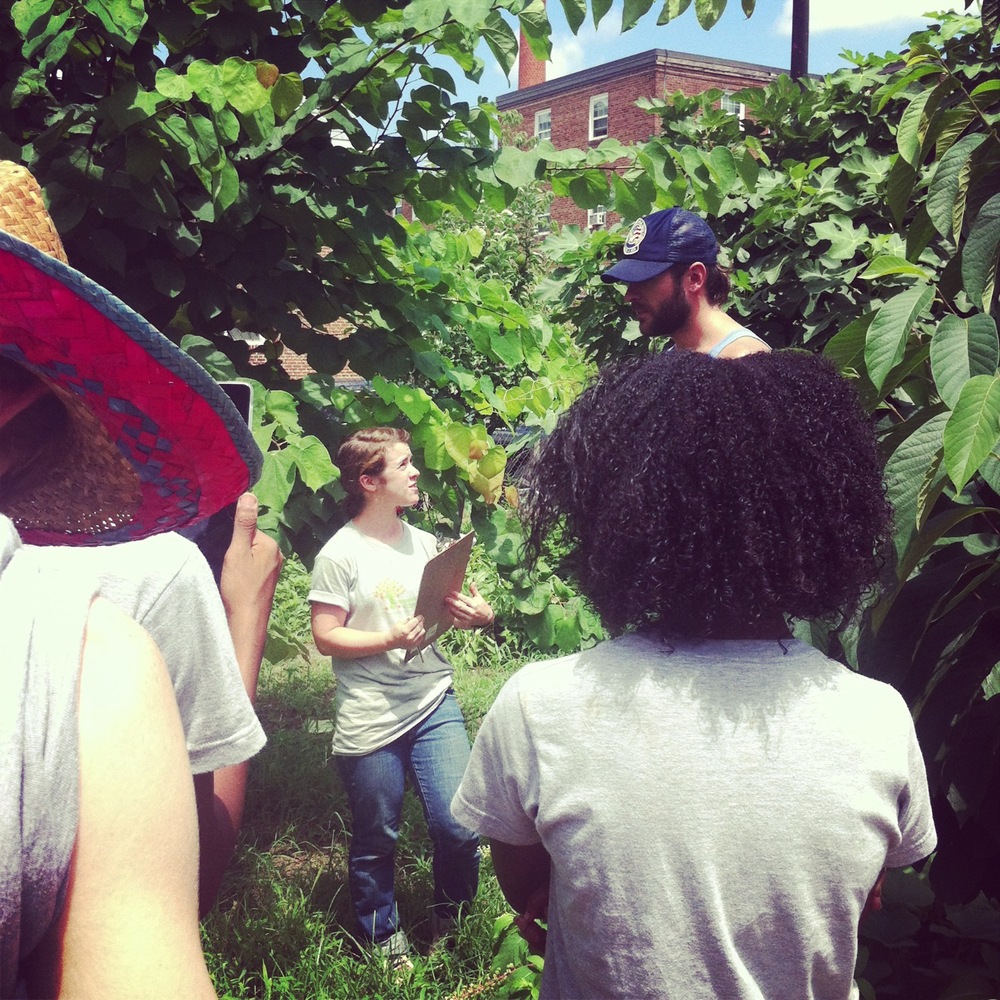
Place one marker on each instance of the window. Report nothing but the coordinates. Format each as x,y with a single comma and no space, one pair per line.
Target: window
597,217
734,107
599,116
545,222
543,124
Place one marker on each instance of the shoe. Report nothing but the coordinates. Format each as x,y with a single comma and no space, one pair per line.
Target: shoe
396,954
443,932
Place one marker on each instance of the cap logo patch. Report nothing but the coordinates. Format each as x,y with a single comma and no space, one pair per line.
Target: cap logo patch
635,236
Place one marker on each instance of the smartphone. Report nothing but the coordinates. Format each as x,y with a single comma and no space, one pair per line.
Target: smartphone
214,534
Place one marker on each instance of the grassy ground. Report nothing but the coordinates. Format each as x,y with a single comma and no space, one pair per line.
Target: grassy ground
283,926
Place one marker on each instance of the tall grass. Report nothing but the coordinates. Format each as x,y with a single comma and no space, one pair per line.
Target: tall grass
283,927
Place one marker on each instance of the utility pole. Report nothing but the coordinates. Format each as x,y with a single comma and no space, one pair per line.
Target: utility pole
800,39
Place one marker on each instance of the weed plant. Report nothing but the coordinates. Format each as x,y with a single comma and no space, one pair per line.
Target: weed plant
283,927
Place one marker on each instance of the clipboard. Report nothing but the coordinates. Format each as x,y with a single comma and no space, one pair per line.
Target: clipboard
443,574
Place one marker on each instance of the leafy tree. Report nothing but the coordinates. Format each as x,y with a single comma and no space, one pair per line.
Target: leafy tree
239,165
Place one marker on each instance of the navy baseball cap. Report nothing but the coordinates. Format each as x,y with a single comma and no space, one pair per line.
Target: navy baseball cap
655,242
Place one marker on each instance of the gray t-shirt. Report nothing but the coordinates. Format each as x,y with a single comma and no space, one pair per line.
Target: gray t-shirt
44,617
716,813
165,584
378,697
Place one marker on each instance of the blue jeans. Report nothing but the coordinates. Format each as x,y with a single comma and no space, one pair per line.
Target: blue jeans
434,753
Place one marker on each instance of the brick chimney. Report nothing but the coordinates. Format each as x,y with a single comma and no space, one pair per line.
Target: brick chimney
530,70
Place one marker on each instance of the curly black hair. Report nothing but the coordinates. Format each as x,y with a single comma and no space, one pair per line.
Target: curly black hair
715,495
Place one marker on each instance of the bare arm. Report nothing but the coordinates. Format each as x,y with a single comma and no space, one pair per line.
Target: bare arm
334,638
130,924
250,574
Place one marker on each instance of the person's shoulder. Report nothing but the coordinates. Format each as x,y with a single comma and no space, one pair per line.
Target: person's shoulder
742,349
745,346
549,675
344,539
867,696
871,690
160,554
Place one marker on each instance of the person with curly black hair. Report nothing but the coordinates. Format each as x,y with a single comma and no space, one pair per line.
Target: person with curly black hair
703,806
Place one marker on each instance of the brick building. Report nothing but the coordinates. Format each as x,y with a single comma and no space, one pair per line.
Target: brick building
581,109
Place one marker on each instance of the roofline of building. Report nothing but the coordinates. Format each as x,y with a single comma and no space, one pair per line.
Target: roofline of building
608,71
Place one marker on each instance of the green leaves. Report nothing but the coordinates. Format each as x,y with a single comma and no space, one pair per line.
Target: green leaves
889,329
882,266
121,19
633,10
709,11
501,41
516,167
576,13
913,472
981,255
973,428
960,350
537,30
949,186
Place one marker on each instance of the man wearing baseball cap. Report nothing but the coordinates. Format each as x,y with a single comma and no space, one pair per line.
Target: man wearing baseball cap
676,287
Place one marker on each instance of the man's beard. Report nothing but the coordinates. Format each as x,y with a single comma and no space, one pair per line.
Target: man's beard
671,315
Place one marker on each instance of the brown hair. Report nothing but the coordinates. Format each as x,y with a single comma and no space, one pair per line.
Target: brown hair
363,454
717,281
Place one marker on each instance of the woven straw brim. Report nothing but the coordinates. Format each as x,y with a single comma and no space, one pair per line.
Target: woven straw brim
23,213
183,443
90,488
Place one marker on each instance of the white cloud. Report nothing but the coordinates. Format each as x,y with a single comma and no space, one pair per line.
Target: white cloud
568,56
836,15
589,47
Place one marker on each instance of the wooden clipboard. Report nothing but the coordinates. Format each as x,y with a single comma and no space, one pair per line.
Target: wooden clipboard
443,575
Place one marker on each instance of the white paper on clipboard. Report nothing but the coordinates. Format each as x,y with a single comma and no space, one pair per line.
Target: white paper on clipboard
443,575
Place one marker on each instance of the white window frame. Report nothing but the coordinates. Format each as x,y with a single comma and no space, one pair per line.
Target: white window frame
543,115
606,117
545,222
597,217
737,108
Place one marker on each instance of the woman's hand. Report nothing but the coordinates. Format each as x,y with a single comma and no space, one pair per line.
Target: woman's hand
407,634
469,610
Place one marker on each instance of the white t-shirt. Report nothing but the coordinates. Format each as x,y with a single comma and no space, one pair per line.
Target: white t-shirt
44,619
165,584
379,697
716,813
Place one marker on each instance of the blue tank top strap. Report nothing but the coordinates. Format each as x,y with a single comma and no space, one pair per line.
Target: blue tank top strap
737,334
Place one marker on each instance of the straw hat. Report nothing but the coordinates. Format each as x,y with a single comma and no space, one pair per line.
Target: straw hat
151,441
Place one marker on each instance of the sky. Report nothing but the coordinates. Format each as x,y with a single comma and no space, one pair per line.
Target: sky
865,26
